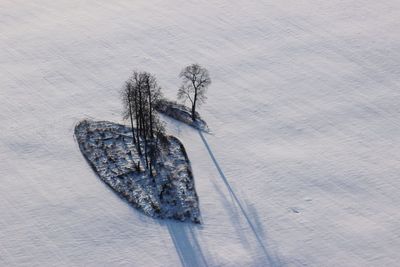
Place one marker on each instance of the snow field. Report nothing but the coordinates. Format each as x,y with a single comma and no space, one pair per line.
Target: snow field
304,110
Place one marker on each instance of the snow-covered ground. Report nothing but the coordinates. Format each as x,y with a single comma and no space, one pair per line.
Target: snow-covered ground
303,165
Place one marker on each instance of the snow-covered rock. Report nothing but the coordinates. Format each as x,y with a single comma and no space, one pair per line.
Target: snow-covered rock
181,113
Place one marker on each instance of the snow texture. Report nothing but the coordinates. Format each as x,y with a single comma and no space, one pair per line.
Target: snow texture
304,109
170,194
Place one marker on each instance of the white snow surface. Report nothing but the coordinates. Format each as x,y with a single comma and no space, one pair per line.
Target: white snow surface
303,165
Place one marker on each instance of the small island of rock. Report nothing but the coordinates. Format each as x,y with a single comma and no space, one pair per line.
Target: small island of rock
167,192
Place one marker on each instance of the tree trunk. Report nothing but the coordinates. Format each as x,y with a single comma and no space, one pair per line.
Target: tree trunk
143,126
151,127
151,165
151,113
131,117
137,125
194,105
146,153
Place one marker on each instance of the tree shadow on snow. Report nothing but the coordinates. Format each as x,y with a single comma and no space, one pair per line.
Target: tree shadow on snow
187,247
271,260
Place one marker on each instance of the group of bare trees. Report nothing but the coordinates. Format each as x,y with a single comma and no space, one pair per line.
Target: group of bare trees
140,97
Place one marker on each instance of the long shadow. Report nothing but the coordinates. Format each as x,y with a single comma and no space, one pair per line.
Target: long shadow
186,244
271,260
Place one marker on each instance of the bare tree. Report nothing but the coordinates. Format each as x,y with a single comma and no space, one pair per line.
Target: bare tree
195,80
140,96
152,94
128,104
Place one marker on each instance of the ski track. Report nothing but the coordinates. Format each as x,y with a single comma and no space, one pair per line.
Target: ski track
302,167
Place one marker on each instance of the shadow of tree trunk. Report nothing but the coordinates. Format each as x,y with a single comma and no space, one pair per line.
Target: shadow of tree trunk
186,244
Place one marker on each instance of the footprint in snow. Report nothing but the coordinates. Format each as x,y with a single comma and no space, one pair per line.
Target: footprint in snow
294,209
